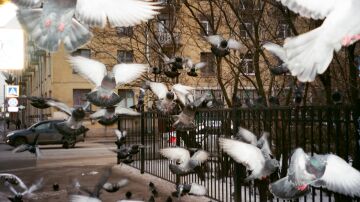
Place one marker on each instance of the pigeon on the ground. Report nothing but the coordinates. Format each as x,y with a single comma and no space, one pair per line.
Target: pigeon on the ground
311,53
221,47
109,115
185,164
153,189
31,147
94,195
191,189
67,21
73,126
105,81
328,171
128,195
169,199
27,193
114,187
193,68
256,160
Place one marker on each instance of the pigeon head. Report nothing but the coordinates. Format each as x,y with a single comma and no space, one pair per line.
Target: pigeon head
78,113
178,59
316,165
156,70
223,44
170,95
16,198
108,81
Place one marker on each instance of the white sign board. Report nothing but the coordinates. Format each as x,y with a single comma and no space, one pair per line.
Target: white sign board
12,91
13,109
11,49
13,102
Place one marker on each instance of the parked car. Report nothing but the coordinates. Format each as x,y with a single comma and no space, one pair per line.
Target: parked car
48,135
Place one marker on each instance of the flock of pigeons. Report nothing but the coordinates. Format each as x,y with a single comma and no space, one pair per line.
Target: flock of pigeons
69,21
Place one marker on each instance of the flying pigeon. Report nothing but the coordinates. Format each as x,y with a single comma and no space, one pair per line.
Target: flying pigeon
311,53
68,21
27,193
176,62
279,70
153,189
109,115
328,171
156,70
125,153
221,47
39,102
94,195
9,77
32,148
141,98
282,68
166,103
72,127
13,180
191,189
120,137
114,187
262,143
105,82
185,164
193,68
256,160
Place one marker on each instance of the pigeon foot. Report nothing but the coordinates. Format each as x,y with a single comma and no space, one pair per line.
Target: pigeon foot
48,23
302,187
348,40
61,27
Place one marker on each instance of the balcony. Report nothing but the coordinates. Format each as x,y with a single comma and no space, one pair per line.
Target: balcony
168,39
170,5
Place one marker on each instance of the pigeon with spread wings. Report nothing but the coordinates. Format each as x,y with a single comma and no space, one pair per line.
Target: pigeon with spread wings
192,68
105,81
110,115
311,53
54,21
31,147
27,193
221,47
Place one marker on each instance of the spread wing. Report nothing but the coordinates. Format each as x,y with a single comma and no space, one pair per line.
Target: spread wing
126,73
341,177
316,9
27,3
91,70
235,45
246,136
125,111
60,106
122,13
199,157
99,113
246,154
182,91
176,154
297,169
159,89
214,39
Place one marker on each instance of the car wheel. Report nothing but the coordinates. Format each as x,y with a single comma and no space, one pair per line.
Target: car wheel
68,145
19,141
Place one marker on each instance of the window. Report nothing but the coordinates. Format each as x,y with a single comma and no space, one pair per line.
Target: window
247,63
215,92
124,31
283,31
246,28
209,69
125,56
82,52
250,4
127,97
43,126
79,97
205,27
247,94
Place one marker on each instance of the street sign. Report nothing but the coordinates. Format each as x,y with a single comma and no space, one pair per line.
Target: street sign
13,109
12,91
13,102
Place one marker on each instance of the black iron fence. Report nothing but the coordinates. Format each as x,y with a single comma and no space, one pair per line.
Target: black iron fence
315,129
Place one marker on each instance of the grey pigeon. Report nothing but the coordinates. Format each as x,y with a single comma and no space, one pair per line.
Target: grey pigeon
311,53
153,189
109,115
328,171
256,160
282,68
176,62
185,164
32,148
39,102
141,99
191,189
221,47
67,21
120,137
13,180
125,153
9,77
192,68
279,70
73,126
105,81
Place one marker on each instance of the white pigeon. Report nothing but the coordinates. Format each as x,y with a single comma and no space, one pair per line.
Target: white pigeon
194,67
262,143
68,20
13,180
26,193
185,164
105,82
120,135
221,47
191,189
250,156
311,53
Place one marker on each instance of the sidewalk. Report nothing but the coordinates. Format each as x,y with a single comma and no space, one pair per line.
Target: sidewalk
88,176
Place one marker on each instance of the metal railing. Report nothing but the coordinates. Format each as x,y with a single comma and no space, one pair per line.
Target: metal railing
315,129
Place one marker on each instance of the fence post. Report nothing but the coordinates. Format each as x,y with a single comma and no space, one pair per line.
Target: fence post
142,139
238,168
356,118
